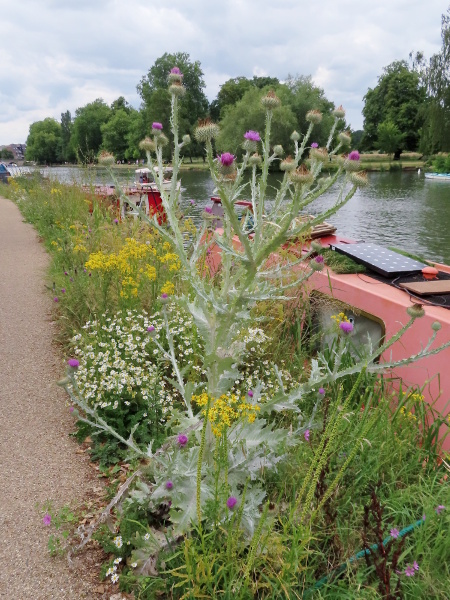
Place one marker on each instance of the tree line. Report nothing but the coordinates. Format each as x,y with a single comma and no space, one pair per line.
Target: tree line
408,110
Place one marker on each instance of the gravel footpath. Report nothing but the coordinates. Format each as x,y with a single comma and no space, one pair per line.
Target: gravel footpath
38,461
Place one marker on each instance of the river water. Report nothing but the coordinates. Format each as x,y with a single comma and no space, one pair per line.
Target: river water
397,209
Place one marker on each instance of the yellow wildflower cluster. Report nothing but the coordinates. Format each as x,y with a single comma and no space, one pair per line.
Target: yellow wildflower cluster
134,263
340,318
416,397
226,410
411,416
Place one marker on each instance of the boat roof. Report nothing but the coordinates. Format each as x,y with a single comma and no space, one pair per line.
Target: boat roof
147,170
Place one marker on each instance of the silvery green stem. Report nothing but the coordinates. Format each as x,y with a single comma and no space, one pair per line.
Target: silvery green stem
333,129
264,176
174,362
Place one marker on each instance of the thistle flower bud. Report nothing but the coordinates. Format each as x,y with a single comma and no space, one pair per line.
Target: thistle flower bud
351,162
186,139
295,136
162,140
255,160
320,154
316,266
147,144
176,89
345,138
226,163
251,141
316,247
278,150
436,326
206,130
106,158
359,178
339,112
175,75
415,311
270,100
288,164
301,176
314,116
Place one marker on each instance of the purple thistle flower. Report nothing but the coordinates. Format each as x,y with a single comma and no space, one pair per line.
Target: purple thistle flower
424,517
192,202
253,136
440,508
164,296
71,279
175,71
182,440
84,270
314,145
71,409
321,391
66,273
47,519
231,502
319,259
90,230
208,210
415,566
346,327
116,221
55,299
150,329
226,159
74,363
250,394
409,571
63,290
306,435
394,533
157,125
169,485
354,155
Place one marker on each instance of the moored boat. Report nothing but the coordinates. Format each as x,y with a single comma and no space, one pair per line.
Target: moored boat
438,176
376,304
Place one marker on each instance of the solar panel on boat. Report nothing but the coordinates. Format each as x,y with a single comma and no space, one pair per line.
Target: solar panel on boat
380,259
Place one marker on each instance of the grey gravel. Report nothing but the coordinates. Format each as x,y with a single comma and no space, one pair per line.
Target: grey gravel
38,461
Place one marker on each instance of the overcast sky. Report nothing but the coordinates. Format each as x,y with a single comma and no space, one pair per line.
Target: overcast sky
58,55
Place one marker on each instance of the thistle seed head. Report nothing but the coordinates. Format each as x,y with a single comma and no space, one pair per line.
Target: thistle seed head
314,116
359,178
415,311
288,164
147,144
255,160
270,100
295,136
339,112
320,154
206,130
106,158
301,176
345,138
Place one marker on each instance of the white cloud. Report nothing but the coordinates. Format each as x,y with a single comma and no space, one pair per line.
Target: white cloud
58,55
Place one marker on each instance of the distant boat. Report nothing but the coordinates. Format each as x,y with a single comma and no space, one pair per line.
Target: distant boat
438,176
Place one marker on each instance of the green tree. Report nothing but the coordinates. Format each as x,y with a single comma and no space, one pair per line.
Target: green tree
67,151
302,95
249,114
398,98
6,154
44,141
115,133
436,77
232,91
87,129
156,100
390,138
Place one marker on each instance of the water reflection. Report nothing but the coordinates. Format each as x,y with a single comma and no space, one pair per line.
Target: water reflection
399,209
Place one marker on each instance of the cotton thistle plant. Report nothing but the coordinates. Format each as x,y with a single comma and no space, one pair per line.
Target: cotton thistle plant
222,309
